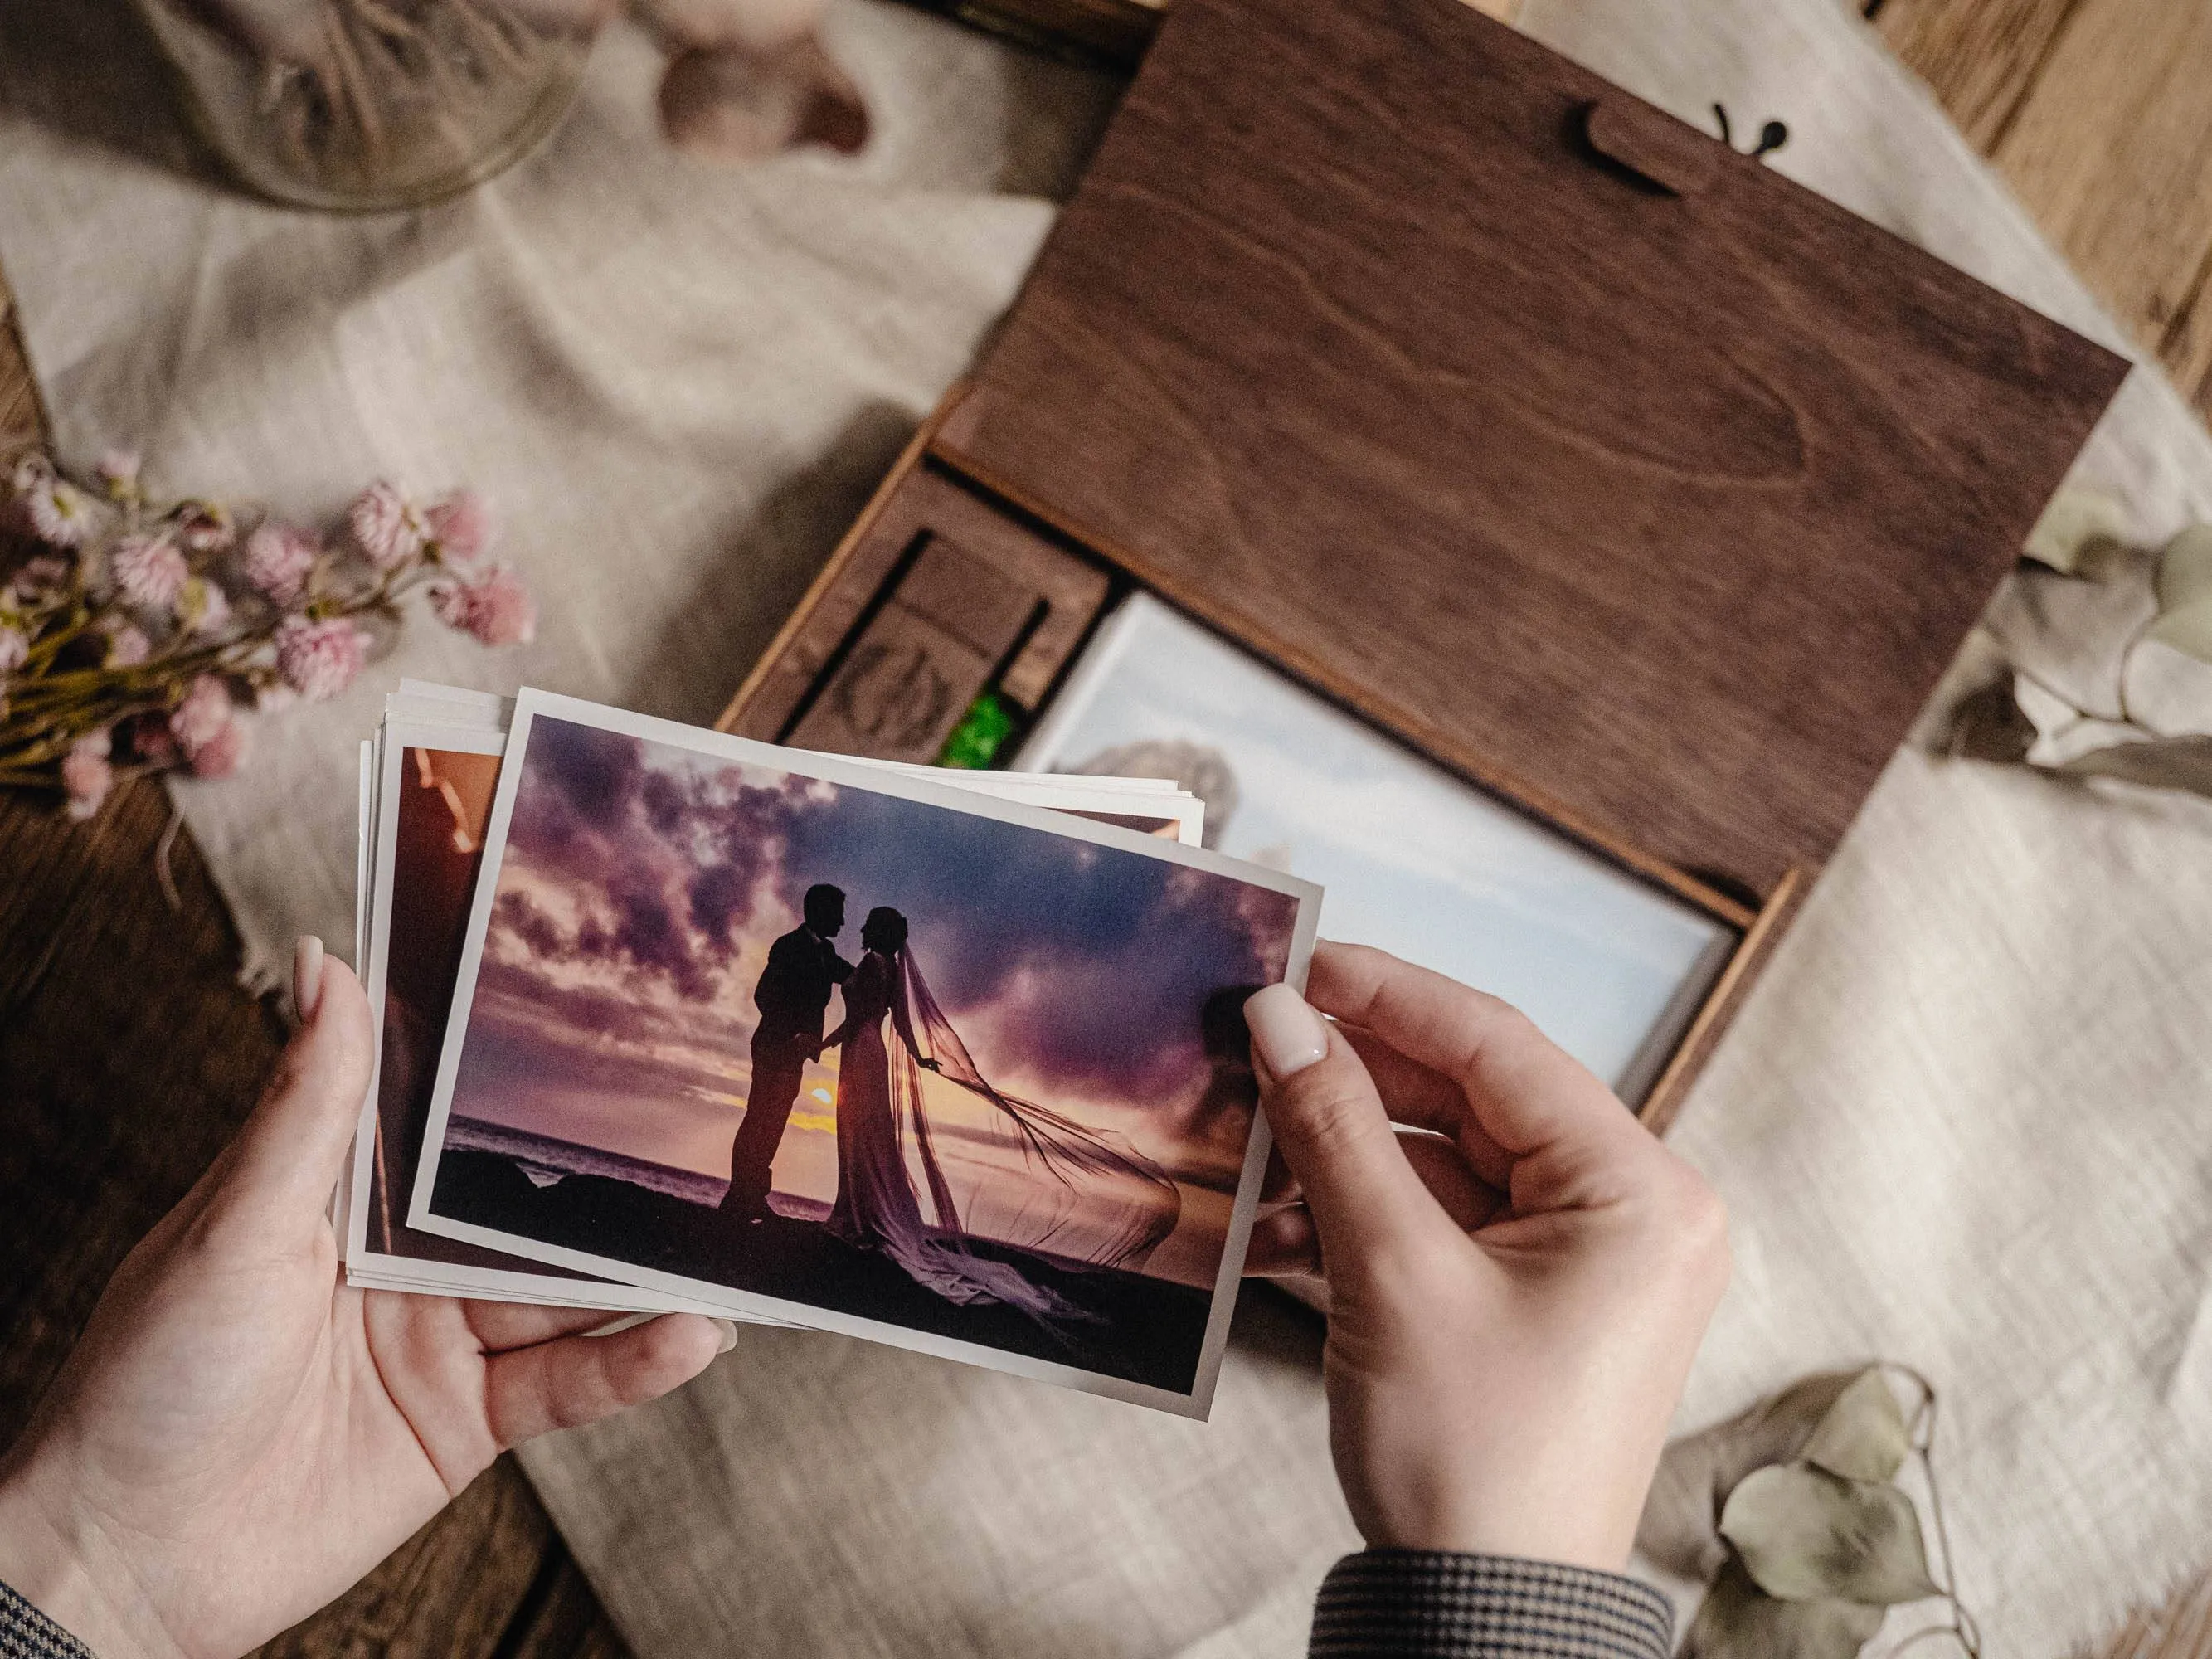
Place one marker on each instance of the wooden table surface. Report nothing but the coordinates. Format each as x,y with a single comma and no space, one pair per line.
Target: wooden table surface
128,1054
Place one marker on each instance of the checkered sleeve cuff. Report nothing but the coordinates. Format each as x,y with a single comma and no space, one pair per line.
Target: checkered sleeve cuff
26,1633
1435,1604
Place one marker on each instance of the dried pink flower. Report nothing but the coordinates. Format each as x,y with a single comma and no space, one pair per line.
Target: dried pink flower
223,753
149,570
205,526
279,557
460,525
15,645
202,607
87,776
496,607
449,603
319,660
60,513
203,712
153,742
386,526
43,574
117,470
127,647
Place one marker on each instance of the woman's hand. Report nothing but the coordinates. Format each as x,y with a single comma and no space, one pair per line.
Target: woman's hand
238,1437
1516,1286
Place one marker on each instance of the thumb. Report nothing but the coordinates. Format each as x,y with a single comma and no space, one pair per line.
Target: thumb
290,1152
1332,1129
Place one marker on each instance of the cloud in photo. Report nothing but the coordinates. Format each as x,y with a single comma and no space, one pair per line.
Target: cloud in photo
642,885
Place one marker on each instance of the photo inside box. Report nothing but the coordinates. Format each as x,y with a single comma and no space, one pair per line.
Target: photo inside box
1004,1084
1416,861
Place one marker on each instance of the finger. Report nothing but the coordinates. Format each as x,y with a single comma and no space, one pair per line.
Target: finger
1470,1201
1335,1137
292,1148
1284,1242
1284,1245
1423,1098
1278,1185
1526,1092
581,1379
500,1325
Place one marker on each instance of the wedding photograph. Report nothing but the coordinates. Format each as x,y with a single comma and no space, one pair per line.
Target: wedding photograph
939,1068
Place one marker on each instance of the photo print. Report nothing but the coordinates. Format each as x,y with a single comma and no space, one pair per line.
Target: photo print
794,1037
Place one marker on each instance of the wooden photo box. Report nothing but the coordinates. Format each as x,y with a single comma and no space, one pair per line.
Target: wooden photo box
1573,450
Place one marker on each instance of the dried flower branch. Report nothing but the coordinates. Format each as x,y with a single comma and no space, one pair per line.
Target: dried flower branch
135,635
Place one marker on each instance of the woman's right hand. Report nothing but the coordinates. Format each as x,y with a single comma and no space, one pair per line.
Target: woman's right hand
1517,1287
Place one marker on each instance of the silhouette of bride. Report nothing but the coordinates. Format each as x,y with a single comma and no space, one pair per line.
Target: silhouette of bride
1037,1180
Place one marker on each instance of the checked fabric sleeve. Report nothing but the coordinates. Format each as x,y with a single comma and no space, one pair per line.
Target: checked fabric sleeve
26,1633
1436,1604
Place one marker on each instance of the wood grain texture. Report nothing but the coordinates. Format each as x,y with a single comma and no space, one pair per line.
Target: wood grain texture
1660,514
2137,225
779,699
2099,113
1982,58
1111,32
908,676
1723,1002
2182,1629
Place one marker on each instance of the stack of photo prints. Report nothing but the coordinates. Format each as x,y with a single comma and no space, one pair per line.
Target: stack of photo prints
670,1020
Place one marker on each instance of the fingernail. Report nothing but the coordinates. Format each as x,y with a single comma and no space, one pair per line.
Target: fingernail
308,976
729,1335
1286,1032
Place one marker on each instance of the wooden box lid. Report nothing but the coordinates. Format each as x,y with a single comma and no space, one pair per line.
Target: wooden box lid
1605,464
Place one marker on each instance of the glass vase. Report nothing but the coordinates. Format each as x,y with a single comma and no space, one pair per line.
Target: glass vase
357,105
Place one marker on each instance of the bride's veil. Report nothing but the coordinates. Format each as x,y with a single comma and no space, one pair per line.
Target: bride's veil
1102,1202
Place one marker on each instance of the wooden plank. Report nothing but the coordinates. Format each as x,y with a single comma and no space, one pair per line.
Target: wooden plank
1981,56
2182,1629
2097,112
456,1587
2111,149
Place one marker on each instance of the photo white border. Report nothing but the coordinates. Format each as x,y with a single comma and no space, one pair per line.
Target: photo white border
852,774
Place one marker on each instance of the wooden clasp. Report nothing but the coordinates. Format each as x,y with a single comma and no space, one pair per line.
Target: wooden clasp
1652,144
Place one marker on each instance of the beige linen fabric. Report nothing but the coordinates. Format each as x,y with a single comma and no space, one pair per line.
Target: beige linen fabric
815,1499
1962,1123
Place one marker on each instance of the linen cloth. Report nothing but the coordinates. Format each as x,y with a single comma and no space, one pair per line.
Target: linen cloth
1961,1123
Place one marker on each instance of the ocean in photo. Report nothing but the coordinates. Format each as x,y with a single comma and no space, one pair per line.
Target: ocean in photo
546,1161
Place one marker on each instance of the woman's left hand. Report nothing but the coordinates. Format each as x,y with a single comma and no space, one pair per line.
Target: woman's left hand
238,1435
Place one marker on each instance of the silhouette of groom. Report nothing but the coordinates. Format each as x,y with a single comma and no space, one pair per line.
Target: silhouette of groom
792,996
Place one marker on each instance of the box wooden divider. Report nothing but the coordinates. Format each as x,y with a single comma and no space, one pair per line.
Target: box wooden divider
1590,459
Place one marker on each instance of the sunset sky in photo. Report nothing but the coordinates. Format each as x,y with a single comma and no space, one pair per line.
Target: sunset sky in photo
642,885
